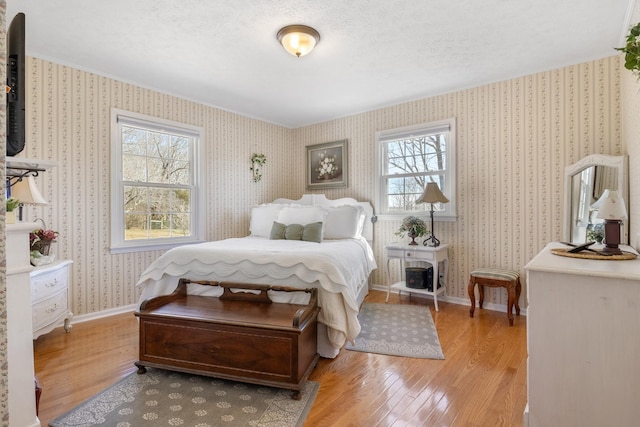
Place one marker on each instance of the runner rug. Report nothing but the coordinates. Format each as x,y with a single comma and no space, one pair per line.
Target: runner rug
397,330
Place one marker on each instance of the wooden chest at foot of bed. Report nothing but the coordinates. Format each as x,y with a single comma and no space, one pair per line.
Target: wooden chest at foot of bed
239,336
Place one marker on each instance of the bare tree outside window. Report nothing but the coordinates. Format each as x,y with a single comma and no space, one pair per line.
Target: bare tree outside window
156,171
410,163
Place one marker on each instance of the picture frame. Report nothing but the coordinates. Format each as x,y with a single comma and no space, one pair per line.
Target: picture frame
327,165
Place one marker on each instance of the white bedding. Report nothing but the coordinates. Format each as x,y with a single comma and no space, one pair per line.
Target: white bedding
336,267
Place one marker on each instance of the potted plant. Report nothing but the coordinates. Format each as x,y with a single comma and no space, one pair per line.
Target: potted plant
632,51
12,204
413,227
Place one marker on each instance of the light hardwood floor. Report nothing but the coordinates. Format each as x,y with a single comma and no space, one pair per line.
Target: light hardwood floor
481,382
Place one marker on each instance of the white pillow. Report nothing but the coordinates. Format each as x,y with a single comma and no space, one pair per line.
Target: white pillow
262,218
302,215
344,222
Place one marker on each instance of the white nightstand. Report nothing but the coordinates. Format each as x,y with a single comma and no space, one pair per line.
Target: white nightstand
437,257
50,297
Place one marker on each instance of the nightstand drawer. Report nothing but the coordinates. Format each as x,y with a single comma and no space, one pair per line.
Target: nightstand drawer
50,310
47,284
395,253
418,255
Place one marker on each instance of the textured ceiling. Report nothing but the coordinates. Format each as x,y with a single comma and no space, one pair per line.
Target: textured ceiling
373,53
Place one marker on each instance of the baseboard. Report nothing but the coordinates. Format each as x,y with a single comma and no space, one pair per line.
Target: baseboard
104,313
460,301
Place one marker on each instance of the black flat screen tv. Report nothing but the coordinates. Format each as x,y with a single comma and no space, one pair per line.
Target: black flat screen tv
16,85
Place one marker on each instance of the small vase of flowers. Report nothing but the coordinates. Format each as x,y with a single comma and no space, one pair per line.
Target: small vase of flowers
413,227
41,240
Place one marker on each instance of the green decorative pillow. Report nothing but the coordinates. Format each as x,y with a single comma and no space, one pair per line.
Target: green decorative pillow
294,232
310,232
277,231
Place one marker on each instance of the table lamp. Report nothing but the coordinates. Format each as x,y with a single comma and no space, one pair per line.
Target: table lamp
612,210
432,194
26,191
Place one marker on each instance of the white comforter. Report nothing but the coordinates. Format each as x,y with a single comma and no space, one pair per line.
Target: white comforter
336,267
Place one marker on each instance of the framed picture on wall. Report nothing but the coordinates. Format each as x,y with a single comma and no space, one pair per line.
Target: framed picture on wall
327,165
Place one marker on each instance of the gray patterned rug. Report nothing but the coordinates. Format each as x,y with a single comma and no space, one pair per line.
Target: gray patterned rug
168,398
397,330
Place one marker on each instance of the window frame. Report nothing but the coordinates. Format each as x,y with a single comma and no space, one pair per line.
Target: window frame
382,137
118,244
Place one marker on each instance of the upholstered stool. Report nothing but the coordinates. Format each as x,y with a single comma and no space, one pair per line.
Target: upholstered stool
493,277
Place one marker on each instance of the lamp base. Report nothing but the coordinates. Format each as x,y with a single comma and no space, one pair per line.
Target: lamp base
612,237
431,241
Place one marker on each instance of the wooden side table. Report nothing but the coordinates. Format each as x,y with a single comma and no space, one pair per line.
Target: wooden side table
437,257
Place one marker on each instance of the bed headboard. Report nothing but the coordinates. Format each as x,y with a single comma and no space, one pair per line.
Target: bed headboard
321,200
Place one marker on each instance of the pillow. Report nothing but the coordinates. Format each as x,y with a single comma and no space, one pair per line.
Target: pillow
277,231
302,215
344,222
312,232
309,233
262,218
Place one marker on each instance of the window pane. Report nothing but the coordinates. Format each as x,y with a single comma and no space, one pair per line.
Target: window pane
159,226
135,226
135,199
181,201
181,225
134,141
134,168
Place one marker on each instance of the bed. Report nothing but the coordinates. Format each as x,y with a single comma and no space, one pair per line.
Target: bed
310,242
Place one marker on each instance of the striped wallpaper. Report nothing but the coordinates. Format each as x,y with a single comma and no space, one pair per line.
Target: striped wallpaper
514,140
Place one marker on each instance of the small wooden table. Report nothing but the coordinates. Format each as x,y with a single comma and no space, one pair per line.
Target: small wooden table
240,336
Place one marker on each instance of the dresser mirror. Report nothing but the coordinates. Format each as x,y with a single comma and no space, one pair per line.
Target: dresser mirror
584,183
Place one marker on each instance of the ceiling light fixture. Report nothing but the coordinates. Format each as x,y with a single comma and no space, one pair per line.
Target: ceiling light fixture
298,40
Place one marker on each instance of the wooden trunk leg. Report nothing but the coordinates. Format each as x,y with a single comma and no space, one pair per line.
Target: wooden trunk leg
141,368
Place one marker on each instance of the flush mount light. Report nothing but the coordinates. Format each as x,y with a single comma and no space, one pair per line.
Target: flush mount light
298,40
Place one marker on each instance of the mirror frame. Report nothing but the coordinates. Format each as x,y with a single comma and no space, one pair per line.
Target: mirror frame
621,164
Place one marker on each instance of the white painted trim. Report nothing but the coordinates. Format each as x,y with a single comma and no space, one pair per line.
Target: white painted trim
104,313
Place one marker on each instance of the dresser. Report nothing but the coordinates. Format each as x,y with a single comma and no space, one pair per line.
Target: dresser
436,257
21,399
50,297
583,339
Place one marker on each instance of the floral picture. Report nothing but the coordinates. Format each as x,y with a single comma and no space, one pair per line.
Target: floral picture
327,165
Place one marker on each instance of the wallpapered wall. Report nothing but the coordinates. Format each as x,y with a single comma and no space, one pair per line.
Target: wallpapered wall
68,120
514,140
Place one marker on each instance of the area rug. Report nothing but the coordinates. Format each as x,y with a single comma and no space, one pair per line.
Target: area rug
165,398
397,330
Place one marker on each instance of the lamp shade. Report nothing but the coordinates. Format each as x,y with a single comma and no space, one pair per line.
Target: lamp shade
27,192
432,194
298,40
610,206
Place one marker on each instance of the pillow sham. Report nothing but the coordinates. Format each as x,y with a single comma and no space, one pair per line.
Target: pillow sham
302,215
344,222
262,218
309,233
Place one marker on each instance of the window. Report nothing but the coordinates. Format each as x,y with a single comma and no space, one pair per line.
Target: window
155,197
409,158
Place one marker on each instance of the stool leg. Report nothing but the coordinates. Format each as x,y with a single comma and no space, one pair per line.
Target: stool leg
472,296
518,291
511,296
481,292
